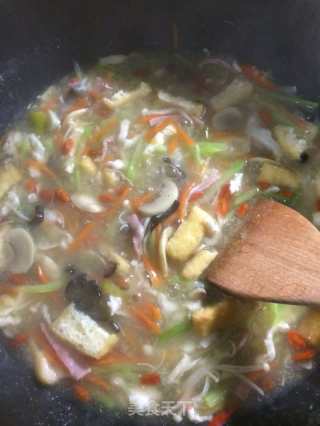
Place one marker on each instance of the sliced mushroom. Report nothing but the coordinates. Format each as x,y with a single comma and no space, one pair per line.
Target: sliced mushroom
49,235
169,193
87,203
228,119
22,246
49,266
166,234
45,371
92,263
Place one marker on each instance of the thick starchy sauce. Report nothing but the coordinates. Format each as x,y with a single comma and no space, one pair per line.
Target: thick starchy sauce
119,188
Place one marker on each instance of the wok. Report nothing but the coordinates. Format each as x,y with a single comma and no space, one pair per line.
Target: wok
40,39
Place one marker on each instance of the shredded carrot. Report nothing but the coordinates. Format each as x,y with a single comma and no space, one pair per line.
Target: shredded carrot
41,167
82,236
145,320
79,103
150,379
42,277
157,232
242,210
19,340
49,104
183,135
97,381
224,200
151,310
140,200
150,133
31,185
224,134
62,195
173,218
155,277
296,340
101,133
303,356
67,146
46,348
46,195
81,392
266,117
184,199
19,279
107,197
220,418
196,196
117,357
172,144
263,185
258,77
286,193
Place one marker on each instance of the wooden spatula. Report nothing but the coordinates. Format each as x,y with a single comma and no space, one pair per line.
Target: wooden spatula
275,257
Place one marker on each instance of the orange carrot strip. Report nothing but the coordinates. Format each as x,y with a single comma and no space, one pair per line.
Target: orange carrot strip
19,340
31,185
172,144
79,103
140,200
183,135
221,418
41,167
153,311
81,237
286,193
303,356
296,340
81,392
67,146
150,134
150,379
147,322
242,210
62,195
19,279
42,277
155,277
102,132
97,381
46,195
224,200
258,77
224,134
263,185
184,199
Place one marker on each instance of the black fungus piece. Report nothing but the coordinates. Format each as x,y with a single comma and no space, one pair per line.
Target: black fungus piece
172,170
158,218
304,157
115,326
109,269
70,269
87,296
38,216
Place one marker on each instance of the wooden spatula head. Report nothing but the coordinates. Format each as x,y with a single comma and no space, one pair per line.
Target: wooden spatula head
275,257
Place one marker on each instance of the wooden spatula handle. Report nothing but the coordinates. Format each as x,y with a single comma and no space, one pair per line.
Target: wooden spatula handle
276,257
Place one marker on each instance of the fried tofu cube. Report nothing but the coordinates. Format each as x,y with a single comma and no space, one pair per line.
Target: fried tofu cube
291,144
9,176
88,166
187,237
309,327
198,263
279,176
211,318
83,333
